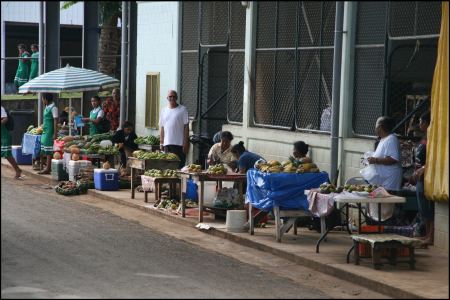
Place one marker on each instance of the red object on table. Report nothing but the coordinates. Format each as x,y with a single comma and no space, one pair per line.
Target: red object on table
58,146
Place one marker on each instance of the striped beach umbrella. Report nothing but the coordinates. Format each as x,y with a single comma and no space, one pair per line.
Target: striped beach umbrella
69,79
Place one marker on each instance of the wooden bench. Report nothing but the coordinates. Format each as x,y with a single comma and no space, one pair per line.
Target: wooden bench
380,241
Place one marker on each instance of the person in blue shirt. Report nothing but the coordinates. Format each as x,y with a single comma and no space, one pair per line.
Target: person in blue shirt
246,159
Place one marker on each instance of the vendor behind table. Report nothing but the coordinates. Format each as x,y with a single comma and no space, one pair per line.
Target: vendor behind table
125,139
220,153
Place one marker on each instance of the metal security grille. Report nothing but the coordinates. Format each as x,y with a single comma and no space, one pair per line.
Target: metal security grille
414,18
235,91
370,64
294,63
410,74
395,57
219,95
189,57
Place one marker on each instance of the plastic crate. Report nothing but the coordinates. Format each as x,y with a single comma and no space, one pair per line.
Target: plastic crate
106,180
58,171
21,159
75,168
365,251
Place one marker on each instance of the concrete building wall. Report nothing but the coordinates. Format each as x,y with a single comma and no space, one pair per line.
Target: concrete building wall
157,51
28,12
441,225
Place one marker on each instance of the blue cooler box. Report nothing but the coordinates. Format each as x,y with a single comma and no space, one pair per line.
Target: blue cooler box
106,180
21,159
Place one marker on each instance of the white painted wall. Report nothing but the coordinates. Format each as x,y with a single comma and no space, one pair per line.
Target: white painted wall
157,51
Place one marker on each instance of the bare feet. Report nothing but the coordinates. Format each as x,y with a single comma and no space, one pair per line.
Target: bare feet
18,174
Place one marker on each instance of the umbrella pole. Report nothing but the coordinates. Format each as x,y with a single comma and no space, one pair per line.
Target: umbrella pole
70,116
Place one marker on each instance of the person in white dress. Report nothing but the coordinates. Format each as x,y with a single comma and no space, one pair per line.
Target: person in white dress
387,160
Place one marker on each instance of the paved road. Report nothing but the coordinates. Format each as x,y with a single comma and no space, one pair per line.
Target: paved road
58,248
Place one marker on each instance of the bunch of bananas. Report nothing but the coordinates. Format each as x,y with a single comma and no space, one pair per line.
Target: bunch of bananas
140,154
290,166
161,173
194,168
218,169
147,140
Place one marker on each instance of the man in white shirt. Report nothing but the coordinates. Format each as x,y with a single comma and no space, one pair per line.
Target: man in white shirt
174,128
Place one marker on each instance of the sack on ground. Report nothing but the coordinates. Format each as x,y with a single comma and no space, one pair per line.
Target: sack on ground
226,198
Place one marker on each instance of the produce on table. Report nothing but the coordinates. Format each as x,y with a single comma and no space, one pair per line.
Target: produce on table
327,188
290,166
148,140
194,168
32,130
110,150
218,169
160,173
99,137
140,154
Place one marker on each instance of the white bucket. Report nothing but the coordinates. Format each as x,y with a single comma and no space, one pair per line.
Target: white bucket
236,220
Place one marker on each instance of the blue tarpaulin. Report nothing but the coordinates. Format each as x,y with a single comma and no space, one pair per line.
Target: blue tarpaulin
287,190
31,144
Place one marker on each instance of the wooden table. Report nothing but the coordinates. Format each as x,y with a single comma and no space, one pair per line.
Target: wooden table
158,181
147,164
346,200
202,178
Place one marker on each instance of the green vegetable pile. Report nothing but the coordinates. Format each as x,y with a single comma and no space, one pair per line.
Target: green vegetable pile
155,155
168,204
218,169
99,137
160,173
148,140
110,150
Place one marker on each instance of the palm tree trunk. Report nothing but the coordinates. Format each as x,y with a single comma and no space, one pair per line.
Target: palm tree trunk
109,44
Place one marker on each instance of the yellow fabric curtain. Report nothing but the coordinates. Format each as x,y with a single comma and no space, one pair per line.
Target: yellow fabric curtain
436,171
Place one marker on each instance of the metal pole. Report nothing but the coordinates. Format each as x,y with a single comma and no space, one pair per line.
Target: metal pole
3,55
41,55
336,89
123,65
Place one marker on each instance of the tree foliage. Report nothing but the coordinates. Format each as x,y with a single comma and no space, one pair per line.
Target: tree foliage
109,11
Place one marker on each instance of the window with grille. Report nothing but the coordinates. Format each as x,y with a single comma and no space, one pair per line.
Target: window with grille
152,86
395,55
294,63
215,22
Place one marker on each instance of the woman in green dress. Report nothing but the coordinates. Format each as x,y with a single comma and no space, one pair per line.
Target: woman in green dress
23,69
6,145
50,130
34,70
95,116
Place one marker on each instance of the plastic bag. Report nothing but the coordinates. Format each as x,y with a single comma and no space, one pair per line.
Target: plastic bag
226,198
191,190
369,173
